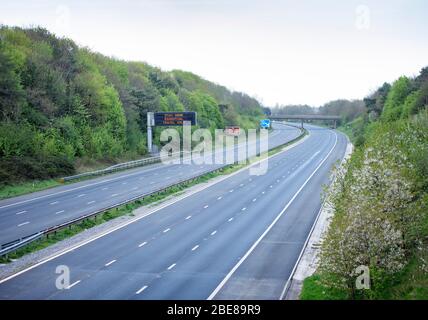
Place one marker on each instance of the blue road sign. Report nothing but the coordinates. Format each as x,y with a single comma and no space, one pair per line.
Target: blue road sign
265,123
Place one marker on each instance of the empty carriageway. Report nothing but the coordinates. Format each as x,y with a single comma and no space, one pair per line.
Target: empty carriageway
29,214
205,244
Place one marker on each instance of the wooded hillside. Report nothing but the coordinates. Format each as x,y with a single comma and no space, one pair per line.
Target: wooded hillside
61,104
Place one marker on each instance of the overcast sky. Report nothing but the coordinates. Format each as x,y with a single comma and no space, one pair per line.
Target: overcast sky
286,52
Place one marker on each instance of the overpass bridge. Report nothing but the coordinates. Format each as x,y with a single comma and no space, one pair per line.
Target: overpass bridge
305,117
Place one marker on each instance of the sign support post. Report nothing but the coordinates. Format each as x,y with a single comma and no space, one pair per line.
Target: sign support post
150,123
187,142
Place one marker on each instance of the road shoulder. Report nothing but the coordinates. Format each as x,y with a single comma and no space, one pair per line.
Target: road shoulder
308,262
66,245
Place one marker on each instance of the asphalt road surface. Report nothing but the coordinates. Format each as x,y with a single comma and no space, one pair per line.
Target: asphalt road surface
26,215
237,239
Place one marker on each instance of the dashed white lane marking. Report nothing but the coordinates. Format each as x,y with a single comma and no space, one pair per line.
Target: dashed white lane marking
263,192
135,188
114,195
55,202
219,198
141,290
23,224
73,284
241,260
214,232
188,217
243,209
110,263
104,188
81,195
195,247
166,230
152,182
230,220
69,250
21,212
172,266
91,202
270,186
124,183
255,199
58,212
231,190
241,185
277,180
206,206
142,244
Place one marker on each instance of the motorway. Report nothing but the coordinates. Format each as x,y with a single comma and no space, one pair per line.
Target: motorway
236,239
26,215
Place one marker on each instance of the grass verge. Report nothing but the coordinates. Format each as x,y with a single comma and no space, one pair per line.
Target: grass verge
26,187
70,231
313,289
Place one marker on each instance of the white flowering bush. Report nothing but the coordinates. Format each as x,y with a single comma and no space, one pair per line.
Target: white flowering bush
379,201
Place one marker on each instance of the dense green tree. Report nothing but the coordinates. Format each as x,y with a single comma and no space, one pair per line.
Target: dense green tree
12,95
62,104
396,97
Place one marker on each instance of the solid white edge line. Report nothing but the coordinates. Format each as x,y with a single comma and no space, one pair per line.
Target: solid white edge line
231,272
285,289
61,253
87,185
78,188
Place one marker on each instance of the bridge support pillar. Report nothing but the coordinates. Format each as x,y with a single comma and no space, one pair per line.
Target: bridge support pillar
302,123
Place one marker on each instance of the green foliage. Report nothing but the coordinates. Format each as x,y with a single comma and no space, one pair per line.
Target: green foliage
12,95
314,289
396,98
380,204
381,214
375,102
59,101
